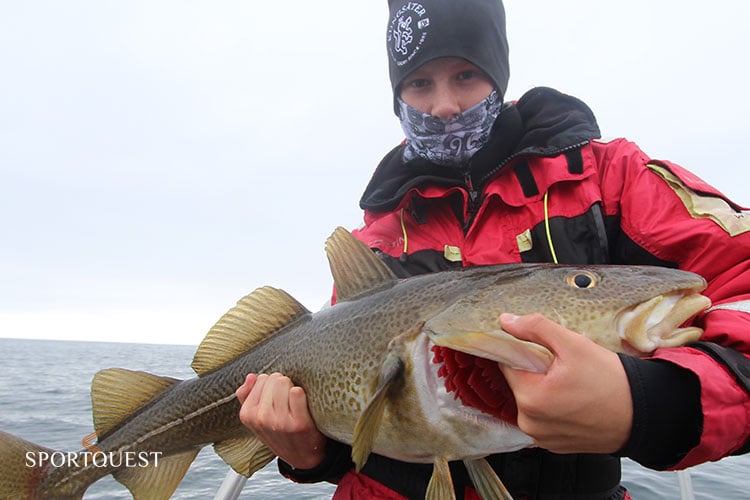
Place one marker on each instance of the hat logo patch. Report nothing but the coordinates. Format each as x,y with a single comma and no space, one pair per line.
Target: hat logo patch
407,32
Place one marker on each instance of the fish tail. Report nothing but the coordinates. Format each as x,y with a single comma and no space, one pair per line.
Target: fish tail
22,467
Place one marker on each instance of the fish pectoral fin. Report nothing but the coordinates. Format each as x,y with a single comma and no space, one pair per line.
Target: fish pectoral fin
18,477
368,424
116,393
255,317
485,480
356,269
440,486
496,345
159,479
246,455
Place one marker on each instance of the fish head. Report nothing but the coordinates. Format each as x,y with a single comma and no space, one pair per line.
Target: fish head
631,309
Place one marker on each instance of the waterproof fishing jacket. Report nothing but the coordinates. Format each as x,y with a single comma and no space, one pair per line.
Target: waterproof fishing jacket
544,189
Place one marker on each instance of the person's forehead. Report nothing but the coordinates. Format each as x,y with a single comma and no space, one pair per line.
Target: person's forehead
441,63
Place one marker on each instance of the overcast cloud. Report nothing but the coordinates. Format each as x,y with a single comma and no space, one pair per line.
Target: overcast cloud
160,159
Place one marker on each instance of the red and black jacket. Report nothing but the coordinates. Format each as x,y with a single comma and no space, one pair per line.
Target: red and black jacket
545,190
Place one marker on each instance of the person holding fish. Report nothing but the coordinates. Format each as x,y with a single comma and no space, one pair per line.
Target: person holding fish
484,180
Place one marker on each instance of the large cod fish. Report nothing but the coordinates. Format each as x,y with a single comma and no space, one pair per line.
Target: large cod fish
368,368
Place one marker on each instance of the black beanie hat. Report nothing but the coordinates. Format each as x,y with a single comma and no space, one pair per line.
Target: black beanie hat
419,32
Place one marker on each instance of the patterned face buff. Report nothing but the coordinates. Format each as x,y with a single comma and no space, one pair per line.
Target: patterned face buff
450,142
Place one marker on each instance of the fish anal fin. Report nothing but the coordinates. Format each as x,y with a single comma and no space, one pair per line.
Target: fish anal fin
255,317
159,479
356,269
246,455
440,486
368,424
116,393
485,480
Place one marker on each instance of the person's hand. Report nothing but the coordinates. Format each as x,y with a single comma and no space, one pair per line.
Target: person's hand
276,411
582,404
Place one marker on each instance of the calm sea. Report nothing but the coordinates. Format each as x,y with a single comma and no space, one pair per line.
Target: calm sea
44,398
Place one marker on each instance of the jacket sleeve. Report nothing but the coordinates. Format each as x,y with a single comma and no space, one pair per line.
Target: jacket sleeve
336,463
669,214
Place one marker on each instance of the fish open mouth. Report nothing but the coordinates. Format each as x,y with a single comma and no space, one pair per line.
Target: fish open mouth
658,322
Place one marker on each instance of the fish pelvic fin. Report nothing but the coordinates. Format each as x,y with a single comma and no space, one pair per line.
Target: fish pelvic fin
22,467
440,486
116,393
255,317
356,269
485,480
246,455
159,479
368,424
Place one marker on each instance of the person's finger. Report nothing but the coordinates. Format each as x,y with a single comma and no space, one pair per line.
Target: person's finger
539,329
250,408
243,390
276,393
256,394
517,378
298,403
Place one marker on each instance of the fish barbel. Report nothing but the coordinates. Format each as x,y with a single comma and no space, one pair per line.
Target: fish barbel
368,367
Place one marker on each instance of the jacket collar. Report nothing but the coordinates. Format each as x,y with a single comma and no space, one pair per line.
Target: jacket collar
544,122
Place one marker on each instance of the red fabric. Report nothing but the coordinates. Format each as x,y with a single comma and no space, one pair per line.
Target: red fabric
471,494
655,219
616,176
355,486
725,419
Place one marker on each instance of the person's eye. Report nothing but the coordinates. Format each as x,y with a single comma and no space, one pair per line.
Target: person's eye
466,74
419,83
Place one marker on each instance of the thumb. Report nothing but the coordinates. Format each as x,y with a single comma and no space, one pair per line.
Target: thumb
517,378
524,328
534,328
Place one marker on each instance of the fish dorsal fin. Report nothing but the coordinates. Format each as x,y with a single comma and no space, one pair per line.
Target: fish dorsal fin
246,455
254,318
356,269
116,393
160,478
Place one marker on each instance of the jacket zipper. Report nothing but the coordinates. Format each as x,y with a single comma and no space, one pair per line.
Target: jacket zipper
475,201
522,153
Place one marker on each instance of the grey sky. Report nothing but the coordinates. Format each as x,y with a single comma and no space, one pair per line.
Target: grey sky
160,159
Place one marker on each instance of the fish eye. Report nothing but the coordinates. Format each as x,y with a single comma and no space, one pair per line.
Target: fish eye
582,279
